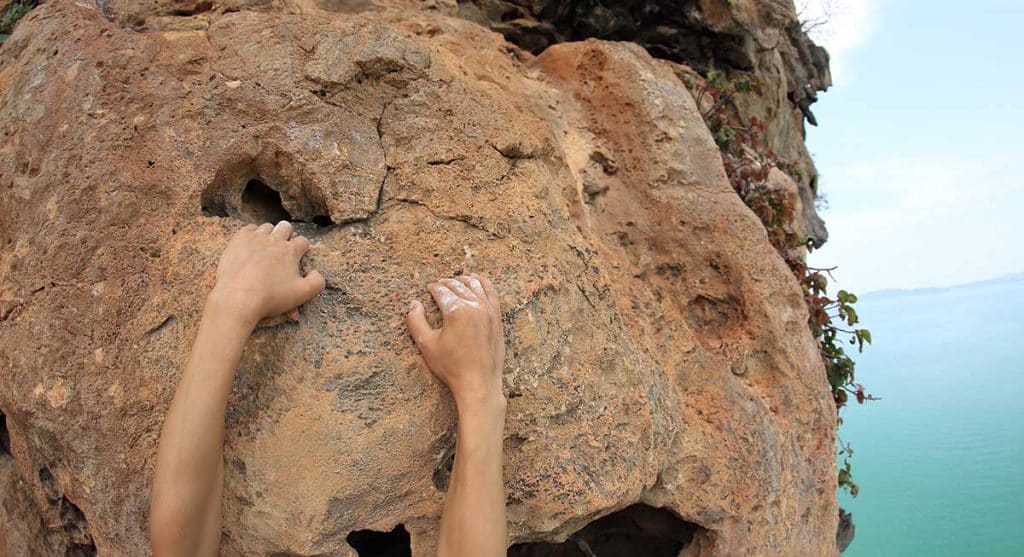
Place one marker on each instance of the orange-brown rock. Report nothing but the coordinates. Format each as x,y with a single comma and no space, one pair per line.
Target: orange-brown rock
659,359
762,42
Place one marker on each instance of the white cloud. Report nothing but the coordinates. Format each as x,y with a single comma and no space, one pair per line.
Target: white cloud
920,188
907,223
841,26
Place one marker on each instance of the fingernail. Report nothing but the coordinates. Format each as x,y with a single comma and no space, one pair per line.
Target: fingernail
412,306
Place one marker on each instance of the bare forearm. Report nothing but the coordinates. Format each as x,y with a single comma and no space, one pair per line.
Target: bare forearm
258,276
188,480
473,522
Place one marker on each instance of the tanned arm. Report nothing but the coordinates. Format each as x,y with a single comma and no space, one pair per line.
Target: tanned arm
468,354
258,276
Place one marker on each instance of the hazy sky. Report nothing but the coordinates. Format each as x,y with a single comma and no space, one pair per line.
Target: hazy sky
920,143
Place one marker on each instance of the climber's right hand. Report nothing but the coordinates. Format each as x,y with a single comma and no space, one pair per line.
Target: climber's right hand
258,275
468,351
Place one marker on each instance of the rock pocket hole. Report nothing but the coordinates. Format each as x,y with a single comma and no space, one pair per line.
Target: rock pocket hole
5,436
371,543
262,203
259,203
322,221
636,531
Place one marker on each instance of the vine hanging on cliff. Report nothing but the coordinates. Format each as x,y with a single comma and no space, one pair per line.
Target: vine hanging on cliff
13,11
747,163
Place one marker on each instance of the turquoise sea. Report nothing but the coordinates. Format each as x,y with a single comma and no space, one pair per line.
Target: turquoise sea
940,459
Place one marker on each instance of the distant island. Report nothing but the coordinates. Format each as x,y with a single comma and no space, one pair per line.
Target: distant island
894,292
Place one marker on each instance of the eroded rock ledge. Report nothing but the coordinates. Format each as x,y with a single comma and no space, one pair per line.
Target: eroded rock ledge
763,41
660,368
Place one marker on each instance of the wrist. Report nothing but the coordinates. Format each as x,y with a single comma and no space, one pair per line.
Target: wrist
481,423
222,307
481,405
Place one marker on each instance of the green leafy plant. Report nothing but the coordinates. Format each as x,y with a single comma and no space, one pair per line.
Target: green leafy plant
748,162
15,11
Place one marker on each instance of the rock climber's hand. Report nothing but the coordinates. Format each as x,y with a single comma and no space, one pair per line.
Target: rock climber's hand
468,351
258,275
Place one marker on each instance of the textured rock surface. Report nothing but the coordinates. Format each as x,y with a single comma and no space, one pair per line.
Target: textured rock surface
761,40
658,347
846,530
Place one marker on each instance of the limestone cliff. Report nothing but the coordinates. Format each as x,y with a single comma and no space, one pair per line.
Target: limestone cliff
761,40
665,393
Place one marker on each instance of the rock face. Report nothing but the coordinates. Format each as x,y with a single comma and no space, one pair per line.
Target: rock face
760,40
846,530
660,370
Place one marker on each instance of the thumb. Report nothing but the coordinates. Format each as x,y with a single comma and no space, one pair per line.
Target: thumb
421,331
312,284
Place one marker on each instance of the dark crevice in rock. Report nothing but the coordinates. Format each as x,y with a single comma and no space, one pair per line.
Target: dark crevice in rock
384,155
444,161
325,96
323,221
371,543
671,30
443,471
77,528
70,520
160,326
636,531
5,436
513,152
80,550
680,31
585,295
472,221
328,90
191,9
845,530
